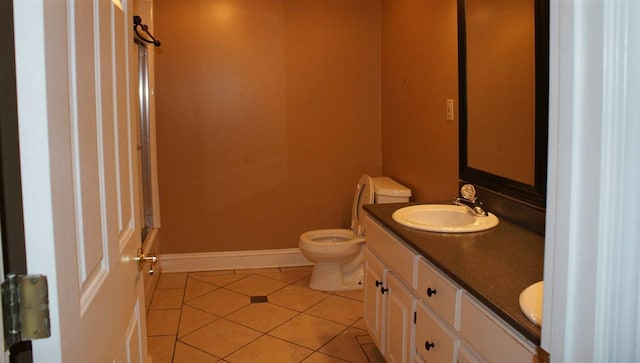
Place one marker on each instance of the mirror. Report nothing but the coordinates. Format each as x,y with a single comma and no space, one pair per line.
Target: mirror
503,48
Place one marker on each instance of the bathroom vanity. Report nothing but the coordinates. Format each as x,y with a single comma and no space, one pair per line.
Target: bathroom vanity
439,297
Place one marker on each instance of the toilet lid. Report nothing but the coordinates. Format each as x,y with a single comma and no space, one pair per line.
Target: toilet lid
364,195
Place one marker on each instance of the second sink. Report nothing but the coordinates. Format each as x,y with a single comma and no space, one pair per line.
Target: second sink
443,218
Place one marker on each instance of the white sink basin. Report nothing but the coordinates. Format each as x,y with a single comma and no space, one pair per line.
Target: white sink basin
531,302
443,218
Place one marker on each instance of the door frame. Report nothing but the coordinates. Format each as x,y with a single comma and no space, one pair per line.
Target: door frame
13,255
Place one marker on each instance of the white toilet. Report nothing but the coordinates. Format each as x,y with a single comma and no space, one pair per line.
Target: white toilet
337,254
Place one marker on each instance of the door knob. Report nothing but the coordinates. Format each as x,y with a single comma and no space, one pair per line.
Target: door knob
144,257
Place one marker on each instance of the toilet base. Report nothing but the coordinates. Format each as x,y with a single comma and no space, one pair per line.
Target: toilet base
330,277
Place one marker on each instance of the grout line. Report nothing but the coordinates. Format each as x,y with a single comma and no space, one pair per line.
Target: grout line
198,349
253,340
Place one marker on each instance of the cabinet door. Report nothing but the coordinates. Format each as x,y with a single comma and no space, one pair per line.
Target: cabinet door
399,319
373,297
494,340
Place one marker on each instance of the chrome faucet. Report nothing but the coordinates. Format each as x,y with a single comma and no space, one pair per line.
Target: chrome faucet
469,200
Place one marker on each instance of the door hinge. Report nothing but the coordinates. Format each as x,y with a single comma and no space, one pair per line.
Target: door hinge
25,307
415,316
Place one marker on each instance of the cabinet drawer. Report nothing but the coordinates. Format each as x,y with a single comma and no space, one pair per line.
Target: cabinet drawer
491,338
397,257
435,342
441,294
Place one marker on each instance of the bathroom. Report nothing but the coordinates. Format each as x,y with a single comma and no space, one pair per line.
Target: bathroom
585,148
268,112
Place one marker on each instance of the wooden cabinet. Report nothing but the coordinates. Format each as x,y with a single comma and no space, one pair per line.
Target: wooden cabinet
373,298
415,313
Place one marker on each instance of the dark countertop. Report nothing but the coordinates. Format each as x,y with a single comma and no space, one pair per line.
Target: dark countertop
494,265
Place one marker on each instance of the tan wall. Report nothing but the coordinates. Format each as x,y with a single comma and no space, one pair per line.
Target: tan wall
268,112
419,73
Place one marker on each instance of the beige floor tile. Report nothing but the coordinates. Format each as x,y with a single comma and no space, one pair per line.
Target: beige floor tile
297,297
163,322
213,272
352,294
364,339
256,270
161,348
346,346
220,338
217,278
308,331
256,285
262,316
187,354
172,280
268,349
193,319
337,309
360,324
323,358
220,302
304,282
196,288
292,336
167,299
289,275
373,354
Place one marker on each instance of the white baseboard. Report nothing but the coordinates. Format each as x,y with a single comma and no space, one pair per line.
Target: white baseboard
209,261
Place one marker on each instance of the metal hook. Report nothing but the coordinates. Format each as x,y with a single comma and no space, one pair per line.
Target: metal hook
137,22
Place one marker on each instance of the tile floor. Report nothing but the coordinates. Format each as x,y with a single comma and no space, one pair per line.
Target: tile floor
266,315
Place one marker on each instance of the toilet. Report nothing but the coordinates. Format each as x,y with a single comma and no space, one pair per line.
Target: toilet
337,254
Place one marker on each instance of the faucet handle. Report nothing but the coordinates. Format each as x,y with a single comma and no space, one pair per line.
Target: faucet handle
468,192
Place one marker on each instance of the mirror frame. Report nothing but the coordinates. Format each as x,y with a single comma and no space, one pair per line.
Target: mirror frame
533,194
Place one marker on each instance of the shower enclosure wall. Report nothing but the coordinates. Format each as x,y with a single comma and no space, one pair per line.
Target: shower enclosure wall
144,142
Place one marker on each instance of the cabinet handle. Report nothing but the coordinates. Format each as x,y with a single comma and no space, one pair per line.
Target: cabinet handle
378,283
431,291
383,290
428,345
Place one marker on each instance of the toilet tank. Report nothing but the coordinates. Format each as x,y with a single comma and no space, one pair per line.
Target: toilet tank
387,190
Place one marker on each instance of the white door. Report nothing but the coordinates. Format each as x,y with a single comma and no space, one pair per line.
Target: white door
74,76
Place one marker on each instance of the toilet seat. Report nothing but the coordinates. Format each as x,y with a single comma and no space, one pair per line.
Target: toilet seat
364,195
330,236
